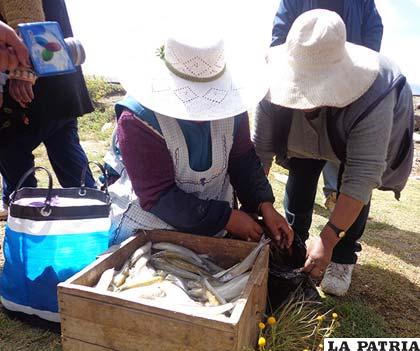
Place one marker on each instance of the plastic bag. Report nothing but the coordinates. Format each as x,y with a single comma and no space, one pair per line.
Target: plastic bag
285,277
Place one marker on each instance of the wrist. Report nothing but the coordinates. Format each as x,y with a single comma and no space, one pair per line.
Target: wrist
231,220
264,207
329,237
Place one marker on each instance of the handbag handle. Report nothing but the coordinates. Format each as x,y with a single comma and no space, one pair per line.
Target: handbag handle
82,191
47,208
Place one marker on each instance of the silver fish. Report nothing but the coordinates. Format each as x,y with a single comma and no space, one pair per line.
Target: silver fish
233,288
122,275
197,292
212,267
177,281
176,255
213,291
138,266
190,267
163,265
105,280
139,253
243,266
178,249
140,282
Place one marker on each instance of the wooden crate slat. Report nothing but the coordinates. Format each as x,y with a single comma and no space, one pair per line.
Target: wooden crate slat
129,330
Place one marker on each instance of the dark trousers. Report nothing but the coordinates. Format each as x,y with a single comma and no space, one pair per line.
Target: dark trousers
65,153
299,202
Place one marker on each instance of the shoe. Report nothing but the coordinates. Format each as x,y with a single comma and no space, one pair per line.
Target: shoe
337,279
330,201
4,210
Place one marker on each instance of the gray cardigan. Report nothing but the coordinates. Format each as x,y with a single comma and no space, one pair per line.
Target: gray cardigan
372,136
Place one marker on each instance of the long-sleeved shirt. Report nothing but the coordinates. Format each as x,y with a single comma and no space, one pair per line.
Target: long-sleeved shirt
367,144
362,20
21,11
151,171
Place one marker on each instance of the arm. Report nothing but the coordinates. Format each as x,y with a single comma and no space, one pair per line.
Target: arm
262,135
252,187
372,28
367,148
283,20
246,172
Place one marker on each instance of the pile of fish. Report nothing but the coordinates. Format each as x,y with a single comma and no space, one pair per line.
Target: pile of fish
174,277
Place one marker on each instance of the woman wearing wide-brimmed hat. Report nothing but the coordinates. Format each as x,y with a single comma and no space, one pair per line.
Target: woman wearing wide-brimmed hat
331,100
363,27
184,139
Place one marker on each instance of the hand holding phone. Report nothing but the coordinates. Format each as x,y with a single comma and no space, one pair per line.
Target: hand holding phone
48,50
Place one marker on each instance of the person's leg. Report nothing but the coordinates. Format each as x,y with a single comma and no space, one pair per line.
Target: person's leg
3,208
66,155
337,278
300,193
16,159
330,175
345,251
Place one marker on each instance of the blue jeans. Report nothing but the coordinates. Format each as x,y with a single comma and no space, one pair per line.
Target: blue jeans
65,153
330,175
299,203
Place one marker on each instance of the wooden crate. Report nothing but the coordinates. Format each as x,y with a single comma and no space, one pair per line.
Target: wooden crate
93,321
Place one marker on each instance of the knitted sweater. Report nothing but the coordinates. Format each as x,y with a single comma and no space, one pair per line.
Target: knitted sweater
21,11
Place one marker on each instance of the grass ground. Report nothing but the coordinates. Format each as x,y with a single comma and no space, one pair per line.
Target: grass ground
385,295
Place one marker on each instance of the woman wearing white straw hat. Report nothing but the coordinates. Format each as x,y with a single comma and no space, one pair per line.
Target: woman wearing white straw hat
183,135
363,27
331,100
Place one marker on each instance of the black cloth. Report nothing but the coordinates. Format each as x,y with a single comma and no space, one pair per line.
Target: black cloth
299,203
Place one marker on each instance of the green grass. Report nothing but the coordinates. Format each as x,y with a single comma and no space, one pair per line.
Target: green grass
99,88
357,320
384,299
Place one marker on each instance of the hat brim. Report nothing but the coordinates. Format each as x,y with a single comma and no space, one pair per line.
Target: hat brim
242,85
335,85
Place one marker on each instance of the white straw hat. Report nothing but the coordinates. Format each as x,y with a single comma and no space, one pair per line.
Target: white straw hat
192,79
316,66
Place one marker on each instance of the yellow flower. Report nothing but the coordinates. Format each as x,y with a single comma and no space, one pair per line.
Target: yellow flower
321,346
320,318
261,325
261,342
305,350
335,315
271,320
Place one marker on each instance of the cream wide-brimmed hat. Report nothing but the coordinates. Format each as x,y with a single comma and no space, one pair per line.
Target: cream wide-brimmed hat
192,79
316,66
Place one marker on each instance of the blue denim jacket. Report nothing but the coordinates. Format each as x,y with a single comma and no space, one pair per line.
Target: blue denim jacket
363,22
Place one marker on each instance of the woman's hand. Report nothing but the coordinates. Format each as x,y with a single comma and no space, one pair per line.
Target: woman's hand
318,258
21,91
12,51
279,229
243,226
